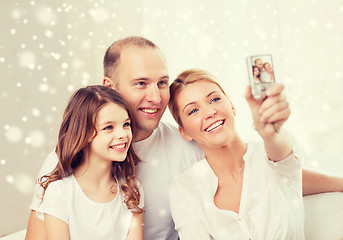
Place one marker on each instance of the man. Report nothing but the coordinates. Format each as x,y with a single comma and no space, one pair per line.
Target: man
137,68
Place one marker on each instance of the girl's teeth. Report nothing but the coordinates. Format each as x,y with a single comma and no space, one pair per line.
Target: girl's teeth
119,146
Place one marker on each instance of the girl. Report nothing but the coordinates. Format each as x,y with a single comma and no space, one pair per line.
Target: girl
93,193
240,190
256,74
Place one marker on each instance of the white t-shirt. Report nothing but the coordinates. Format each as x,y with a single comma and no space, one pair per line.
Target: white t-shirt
87,219
271,204
163,154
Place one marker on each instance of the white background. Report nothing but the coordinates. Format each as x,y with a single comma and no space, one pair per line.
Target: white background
50,48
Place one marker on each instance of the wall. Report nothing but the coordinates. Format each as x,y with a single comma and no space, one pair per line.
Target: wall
48,49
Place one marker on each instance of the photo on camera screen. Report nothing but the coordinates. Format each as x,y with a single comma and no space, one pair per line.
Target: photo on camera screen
261,73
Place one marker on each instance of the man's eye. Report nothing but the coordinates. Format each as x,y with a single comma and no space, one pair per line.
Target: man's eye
162,83
140,84
192,112
215,100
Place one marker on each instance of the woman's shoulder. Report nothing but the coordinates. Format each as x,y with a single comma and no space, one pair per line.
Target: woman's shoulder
192,175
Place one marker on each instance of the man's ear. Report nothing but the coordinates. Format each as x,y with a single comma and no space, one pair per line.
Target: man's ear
185,134
107,82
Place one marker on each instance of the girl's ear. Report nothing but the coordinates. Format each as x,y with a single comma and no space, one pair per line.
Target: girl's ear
185,134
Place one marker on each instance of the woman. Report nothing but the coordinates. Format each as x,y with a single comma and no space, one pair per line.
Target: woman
93,193
240,190
270,71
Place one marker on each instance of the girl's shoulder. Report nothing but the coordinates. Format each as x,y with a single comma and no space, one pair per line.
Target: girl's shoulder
61,185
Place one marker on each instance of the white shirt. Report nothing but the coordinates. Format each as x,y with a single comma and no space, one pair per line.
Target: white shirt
265,77
271,204
87,219
163,154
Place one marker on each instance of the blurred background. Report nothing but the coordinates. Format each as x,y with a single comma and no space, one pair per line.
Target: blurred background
50,48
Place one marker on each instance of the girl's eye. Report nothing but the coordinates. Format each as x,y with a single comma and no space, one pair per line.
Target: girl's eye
108,128
192,112
215,100
127,124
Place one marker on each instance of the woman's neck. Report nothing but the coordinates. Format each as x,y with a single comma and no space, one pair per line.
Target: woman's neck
227,158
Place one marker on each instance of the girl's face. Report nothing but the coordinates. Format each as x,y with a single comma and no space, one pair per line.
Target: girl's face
113,134
256,71
206,114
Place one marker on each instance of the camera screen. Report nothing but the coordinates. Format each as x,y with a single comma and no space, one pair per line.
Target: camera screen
262,69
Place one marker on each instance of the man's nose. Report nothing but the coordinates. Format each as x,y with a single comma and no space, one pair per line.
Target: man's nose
153,94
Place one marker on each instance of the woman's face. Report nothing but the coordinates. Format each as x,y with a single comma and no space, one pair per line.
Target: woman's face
268,67
206,114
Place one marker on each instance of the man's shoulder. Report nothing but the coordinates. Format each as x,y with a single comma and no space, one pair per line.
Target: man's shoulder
49,164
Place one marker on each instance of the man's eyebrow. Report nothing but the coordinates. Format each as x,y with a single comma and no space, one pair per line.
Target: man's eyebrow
207,96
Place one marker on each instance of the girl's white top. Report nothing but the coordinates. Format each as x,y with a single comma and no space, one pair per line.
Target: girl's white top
86,219
271,204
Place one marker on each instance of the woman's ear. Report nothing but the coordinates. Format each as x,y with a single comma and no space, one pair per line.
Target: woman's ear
185,134
233,108
107,82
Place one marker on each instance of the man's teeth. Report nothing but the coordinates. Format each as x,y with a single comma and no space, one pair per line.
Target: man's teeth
149,110
214,125
118,146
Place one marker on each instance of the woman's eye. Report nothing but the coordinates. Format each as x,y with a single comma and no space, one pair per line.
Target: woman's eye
192,112
215,100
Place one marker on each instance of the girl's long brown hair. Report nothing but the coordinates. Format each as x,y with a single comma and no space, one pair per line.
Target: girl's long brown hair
77,131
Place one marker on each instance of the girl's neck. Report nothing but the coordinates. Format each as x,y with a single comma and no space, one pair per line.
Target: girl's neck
94,171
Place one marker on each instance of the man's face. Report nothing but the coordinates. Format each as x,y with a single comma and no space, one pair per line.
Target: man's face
259,64
143,81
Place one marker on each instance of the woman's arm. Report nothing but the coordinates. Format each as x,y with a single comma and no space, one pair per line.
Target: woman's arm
55,228
269,115
136,228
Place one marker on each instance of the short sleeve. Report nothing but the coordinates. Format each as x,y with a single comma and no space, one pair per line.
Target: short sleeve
141,192
47,167
54,202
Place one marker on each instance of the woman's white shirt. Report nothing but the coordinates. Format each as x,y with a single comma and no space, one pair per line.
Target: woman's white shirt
271,204
87,219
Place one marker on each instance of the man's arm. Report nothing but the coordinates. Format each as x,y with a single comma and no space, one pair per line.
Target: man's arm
315,182
35,228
